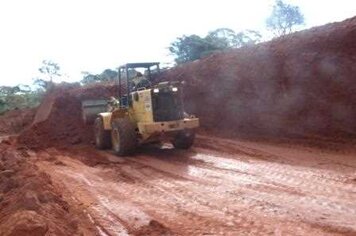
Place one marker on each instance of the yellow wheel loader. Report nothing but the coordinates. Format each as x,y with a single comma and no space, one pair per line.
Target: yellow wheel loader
143,114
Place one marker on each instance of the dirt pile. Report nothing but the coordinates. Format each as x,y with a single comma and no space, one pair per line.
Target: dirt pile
29,203
59,120
301,84
15,121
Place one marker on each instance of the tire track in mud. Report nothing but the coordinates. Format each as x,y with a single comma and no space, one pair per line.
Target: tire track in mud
206,191
323,192
300,181
165,191
163,197
310,178
261,193
161,200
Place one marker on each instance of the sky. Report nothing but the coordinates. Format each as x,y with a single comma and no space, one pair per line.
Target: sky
92,35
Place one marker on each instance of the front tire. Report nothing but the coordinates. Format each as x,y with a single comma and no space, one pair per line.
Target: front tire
184,139
123,136
102,136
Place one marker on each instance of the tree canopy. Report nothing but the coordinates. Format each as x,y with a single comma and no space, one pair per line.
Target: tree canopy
105,76
193,47
18,97
49,71
284,18
25,96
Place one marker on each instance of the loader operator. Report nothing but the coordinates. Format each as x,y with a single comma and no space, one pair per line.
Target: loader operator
139,81
113,103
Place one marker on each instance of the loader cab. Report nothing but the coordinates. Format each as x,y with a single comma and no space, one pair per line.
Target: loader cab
135,77
147,103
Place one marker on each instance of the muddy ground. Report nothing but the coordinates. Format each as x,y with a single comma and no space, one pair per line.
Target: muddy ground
292,172
219,187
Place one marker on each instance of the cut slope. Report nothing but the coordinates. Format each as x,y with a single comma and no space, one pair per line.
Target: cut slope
301,84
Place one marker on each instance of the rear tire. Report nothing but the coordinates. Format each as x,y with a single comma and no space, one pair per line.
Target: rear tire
184,139
123,136
102,136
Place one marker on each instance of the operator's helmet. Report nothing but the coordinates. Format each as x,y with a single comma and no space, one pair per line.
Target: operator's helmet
143,83
113,101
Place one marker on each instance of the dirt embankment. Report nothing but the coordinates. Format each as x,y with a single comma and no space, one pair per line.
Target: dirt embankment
29,202
301,84
15,121
59,120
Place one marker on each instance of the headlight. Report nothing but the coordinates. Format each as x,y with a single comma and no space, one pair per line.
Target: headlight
156,90
174,89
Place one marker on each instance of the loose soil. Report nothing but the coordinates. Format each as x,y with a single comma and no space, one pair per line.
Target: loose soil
13,122
295,89
30,203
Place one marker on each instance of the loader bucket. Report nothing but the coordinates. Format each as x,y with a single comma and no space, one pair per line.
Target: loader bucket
91,108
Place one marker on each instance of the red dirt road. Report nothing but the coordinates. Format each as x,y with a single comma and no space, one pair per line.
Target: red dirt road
219,187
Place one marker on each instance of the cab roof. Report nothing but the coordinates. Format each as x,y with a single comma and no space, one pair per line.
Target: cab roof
139,65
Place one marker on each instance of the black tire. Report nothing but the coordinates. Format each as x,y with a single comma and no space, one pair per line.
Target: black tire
123,136
102,136
184,139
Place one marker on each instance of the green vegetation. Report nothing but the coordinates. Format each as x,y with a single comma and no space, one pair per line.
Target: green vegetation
193,47
49,71
284,18
24,96
18,97
106,76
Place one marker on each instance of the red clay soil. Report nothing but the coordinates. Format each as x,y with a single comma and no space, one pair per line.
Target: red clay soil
29,202
59,119
15,121
219,187
301,84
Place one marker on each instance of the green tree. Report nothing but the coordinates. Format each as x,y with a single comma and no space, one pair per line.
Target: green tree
247,37
89,78
284,18
18,97
189,48
221,38
193,47
49,71
106,76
